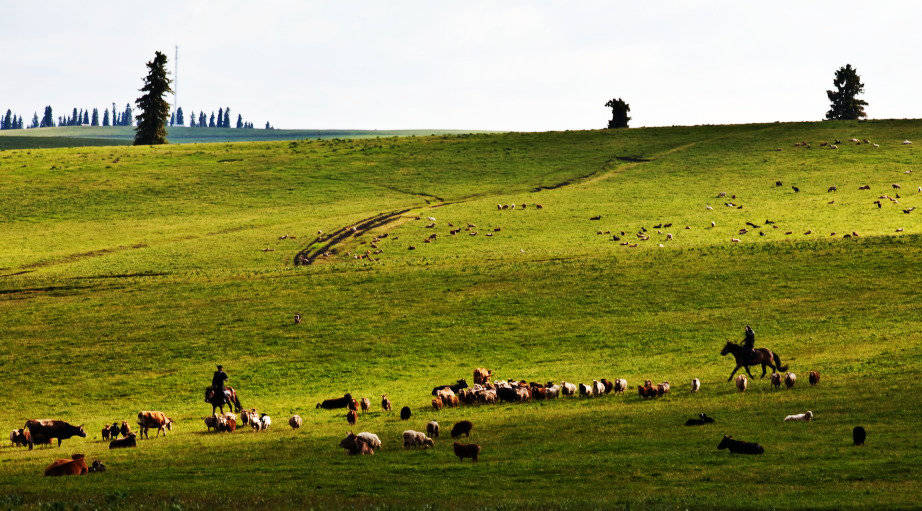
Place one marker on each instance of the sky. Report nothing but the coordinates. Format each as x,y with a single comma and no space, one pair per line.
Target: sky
500,65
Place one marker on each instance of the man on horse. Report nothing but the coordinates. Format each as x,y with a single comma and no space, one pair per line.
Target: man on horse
217,381
749,341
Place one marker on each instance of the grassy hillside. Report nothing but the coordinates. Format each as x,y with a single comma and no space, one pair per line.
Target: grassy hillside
126,273
79,136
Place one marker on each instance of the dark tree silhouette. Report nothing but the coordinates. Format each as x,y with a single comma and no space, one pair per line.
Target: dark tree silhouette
239,121
180,120
226,122
845,106
94,120
34,120
619,110
47,118
154,108
211,123
220,123
105,118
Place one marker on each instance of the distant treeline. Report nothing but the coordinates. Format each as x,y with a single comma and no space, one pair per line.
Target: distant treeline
87,117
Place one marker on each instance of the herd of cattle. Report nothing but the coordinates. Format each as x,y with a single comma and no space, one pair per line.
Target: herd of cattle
484,391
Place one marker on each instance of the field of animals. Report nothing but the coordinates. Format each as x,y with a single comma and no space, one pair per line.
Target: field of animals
127,273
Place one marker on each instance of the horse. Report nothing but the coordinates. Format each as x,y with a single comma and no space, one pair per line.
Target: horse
745,358
217,401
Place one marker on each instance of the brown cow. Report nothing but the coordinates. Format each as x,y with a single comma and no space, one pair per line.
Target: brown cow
385,403
124,430
42,431
76,465
154,419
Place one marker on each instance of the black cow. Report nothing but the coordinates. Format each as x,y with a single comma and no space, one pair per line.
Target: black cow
340,402
461,384
42,431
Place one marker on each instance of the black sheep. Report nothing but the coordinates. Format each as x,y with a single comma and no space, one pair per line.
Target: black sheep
740,447
703,419
858,435
462,428
405,413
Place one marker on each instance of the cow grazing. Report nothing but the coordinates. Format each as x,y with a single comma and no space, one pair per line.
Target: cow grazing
75,466
295,421
385,403
128,441
789,379
620,385
42,431
351,417
800,417
462,451
461,428
154,419
695,385
776,381
702,419
814,377
742,383
332,404
432,429
416,439
482,376
405,413
740,447
365,404
859,435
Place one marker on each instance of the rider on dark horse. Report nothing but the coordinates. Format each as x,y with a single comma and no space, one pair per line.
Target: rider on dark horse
217,381
749,341
221,394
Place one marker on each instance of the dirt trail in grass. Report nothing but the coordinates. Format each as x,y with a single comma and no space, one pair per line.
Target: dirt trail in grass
309,255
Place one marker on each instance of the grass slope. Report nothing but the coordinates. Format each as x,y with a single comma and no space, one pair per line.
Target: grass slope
78,136
127,272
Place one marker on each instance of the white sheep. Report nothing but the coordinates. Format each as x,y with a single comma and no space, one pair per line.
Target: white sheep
416,439
620,385
789,379
597,388
295,421
265,421
695,385
567,389
742,382
371,439
803,417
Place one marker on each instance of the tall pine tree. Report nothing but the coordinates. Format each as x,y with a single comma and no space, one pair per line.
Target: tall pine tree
845,106
34,120
154,108
211,123
226,121
239,121
94,121
105,118
220,123
180,120
47,118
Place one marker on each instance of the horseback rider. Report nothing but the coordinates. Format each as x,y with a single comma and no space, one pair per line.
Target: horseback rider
749,341
217,381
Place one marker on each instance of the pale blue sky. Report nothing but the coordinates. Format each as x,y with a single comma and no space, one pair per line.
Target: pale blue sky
502,65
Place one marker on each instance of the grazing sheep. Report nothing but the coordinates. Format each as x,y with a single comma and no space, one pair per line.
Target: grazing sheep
461,428
789,379
371,439
432,429
620,385
466,451
405,413
297,319
295,421
437,403
18,437
740,447
742,382
907,142
585,390
385,403
212,422
124,429
353,405
597,388
567,389
105,433
776,381
859,435
265,422
663,388
803,417
552,391
352,417
482,375
814,377
695,385
700,421
416,439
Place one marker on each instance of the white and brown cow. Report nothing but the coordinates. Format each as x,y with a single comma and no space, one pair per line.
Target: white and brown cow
154,419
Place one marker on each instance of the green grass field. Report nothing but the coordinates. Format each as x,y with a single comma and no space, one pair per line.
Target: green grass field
80,136
126,273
